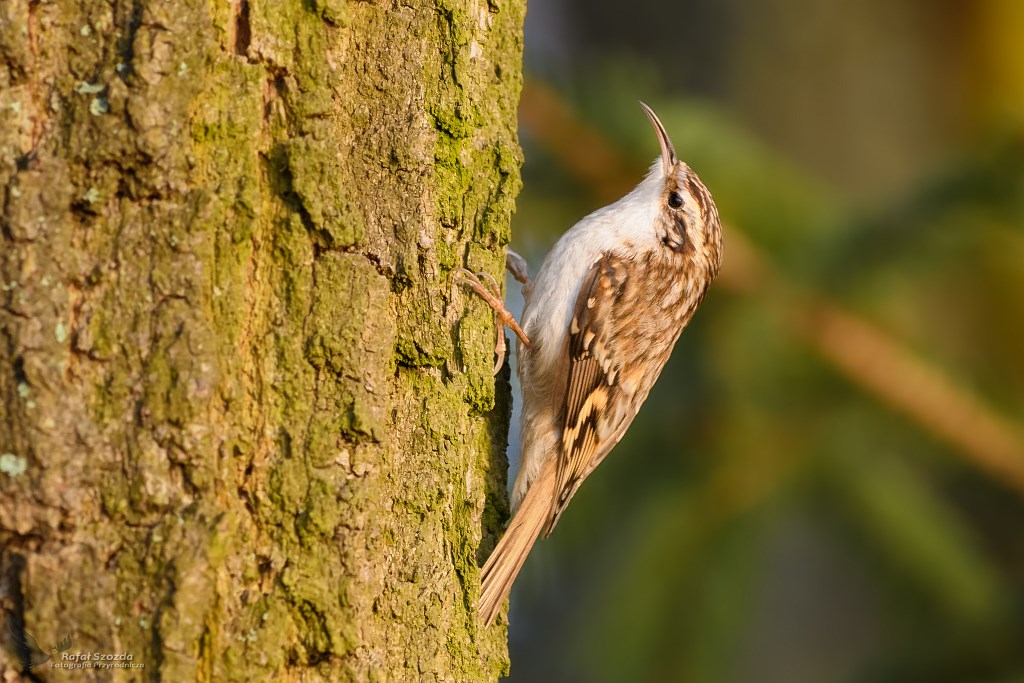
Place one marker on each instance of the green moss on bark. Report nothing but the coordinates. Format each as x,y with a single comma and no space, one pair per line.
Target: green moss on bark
255,426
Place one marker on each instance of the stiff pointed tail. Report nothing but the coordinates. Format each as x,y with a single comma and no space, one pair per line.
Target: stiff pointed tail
508,556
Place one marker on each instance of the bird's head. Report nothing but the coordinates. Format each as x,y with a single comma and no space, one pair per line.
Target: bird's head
686,219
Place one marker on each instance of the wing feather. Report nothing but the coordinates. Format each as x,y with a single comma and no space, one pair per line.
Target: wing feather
592,387
614,354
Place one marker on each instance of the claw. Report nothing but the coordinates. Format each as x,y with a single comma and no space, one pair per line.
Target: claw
499,351
491,293
495,288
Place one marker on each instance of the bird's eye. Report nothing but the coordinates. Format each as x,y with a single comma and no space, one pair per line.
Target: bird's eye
675,200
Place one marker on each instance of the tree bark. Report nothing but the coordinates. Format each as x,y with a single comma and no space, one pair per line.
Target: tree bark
248,428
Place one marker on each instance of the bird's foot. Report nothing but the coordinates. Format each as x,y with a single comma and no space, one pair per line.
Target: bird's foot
491,293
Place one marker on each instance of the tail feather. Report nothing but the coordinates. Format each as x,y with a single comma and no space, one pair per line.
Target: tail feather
508,556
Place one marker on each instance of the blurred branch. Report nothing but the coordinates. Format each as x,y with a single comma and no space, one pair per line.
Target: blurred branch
859,351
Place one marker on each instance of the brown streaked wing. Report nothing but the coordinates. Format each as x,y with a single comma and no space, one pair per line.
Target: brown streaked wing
592,386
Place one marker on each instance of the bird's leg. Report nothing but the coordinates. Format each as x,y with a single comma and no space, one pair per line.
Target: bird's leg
491,293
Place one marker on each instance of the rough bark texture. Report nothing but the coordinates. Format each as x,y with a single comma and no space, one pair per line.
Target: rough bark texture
248,429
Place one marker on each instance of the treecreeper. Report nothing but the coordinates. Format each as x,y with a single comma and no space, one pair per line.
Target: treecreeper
599,323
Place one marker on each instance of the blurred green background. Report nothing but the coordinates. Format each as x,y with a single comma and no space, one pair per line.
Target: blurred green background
827,483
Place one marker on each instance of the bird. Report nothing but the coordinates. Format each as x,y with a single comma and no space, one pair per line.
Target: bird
599,323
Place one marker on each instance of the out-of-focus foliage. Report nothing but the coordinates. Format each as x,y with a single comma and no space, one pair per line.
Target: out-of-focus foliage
777,513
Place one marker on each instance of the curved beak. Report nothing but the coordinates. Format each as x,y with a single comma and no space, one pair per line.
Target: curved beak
668,152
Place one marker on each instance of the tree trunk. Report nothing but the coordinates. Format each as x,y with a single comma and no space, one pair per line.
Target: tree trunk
248,428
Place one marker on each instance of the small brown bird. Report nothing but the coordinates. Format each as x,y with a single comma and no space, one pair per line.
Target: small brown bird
599,324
